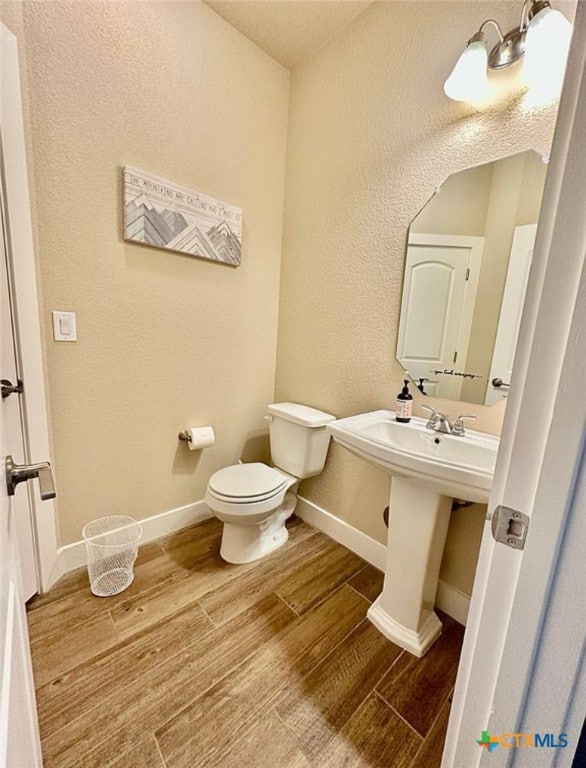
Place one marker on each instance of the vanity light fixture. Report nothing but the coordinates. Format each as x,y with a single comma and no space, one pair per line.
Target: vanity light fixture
542,38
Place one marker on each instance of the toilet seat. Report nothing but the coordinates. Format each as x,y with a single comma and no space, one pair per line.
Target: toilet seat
247,483
243,501
247,492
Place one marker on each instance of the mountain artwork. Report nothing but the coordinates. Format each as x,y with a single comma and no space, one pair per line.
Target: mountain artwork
165,215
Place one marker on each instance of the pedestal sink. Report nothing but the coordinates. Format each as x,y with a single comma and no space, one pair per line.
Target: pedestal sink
428,470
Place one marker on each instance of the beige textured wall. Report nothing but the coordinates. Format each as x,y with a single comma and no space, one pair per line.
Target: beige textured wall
164,340
371,135
11,16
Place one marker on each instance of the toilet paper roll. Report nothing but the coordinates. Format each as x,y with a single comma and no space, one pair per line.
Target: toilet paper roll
200,437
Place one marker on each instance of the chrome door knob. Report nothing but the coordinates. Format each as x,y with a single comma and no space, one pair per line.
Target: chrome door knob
18,473
496,382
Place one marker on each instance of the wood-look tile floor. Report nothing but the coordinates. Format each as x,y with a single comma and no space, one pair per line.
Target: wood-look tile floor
267,665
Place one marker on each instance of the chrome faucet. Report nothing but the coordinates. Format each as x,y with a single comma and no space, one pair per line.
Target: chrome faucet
440,422
437,421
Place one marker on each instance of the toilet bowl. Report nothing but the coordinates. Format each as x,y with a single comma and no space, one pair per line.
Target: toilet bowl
254,501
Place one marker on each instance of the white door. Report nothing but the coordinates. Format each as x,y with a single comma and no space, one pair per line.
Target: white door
30,357
522,668
439,291
510,316
19,735
12,427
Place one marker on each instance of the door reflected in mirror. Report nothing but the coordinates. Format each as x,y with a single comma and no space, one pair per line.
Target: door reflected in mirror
467,264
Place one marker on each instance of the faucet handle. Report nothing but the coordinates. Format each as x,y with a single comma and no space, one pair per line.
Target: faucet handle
434,416
458,425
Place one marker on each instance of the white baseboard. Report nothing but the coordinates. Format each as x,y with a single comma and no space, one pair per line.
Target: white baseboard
73,556
449,599
362,545
452,601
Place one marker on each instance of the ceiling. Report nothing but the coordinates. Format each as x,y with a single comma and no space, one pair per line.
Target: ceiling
289,30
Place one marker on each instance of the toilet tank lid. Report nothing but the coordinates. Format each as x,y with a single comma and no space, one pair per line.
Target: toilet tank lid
301,414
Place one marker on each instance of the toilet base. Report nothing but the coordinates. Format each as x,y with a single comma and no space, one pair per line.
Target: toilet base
247,543
243,544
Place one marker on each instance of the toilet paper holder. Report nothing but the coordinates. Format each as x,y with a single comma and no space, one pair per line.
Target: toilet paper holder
198,438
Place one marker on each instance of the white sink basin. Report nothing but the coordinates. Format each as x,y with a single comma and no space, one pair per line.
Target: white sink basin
461,467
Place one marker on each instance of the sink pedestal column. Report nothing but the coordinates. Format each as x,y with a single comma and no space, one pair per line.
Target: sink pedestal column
418,526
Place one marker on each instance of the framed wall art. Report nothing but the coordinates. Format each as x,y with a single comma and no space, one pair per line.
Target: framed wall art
162,214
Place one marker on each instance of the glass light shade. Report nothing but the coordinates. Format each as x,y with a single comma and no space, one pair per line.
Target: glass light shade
546,51
469,78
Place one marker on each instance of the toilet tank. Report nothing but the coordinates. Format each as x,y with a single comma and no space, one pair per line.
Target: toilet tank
299,441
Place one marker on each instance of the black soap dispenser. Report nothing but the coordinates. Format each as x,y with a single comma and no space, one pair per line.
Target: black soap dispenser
404,404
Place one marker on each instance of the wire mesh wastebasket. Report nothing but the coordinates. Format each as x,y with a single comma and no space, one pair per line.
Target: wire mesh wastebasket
112,547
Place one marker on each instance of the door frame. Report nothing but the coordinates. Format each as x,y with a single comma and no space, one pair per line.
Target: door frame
476,245
25,284
521,233
537,471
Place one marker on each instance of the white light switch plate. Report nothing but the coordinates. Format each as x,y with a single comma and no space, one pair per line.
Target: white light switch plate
64,327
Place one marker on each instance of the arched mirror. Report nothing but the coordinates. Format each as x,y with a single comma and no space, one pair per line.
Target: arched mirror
467,263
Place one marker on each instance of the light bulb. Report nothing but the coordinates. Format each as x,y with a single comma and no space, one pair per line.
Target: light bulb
546,50
469,79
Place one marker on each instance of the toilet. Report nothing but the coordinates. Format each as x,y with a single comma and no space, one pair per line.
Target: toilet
254,501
